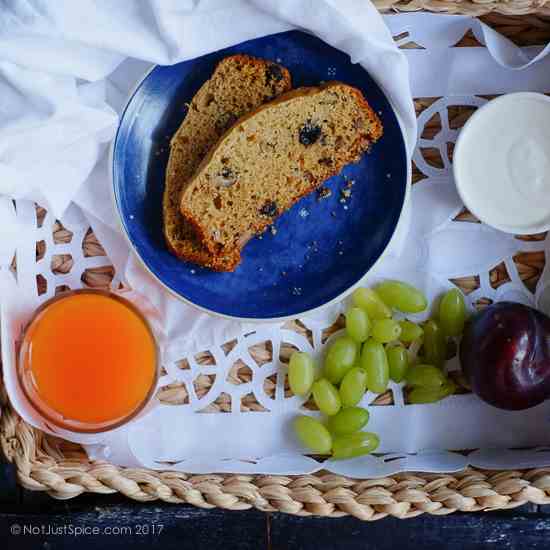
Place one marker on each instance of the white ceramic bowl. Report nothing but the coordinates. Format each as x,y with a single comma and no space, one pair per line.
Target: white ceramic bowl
501,163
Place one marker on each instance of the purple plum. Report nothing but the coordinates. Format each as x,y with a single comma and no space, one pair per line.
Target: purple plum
505,355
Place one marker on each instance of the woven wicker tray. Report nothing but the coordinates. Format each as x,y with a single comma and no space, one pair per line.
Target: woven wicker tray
62,469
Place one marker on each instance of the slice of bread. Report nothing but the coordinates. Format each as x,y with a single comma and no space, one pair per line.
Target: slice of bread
239,84
274,156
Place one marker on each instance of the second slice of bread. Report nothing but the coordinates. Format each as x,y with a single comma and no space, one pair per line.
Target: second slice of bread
239,84
274,156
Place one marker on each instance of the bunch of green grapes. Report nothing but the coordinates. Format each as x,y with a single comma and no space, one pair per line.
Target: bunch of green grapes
373,351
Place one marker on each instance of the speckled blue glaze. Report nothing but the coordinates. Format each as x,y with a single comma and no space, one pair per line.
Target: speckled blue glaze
321,247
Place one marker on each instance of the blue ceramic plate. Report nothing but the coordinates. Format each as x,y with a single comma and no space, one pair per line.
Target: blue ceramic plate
321,249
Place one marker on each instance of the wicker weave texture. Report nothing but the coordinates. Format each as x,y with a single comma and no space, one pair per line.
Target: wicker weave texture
467,7
62,469
43,465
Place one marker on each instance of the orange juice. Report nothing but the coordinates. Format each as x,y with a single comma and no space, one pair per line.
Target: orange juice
88,361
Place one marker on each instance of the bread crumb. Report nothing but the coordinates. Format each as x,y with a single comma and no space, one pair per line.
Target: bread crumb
303,213
323,193
297,291
273,230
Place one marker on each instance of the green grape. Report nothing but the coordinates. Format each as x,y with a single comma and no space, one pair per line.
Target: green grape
419,396
367,299
352,445
410,331
435,345
375,363
426,376
424,394
448,388
452,313
353,387
326,397
318,372
301,373
340,358
348,421
402,296
357,324
385,330
312,434
398,360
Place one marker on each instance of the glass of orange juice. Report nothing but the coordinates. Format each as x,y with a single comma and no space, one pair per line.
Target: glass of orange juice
88,361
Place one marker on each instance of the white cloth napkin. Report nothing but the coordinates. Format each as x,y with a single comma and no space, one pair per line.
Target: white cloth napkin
68,66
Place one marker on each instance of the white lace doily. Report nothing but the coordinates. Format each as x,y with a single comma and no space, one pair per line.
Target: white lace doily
225,410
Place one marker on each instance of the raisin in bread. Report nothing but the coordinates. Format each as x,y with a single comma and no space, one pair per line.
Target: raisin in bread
239,84
274,156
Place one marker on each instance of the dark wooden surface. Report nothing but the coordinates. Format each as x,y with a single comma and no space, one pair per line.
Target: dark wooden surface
30,520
